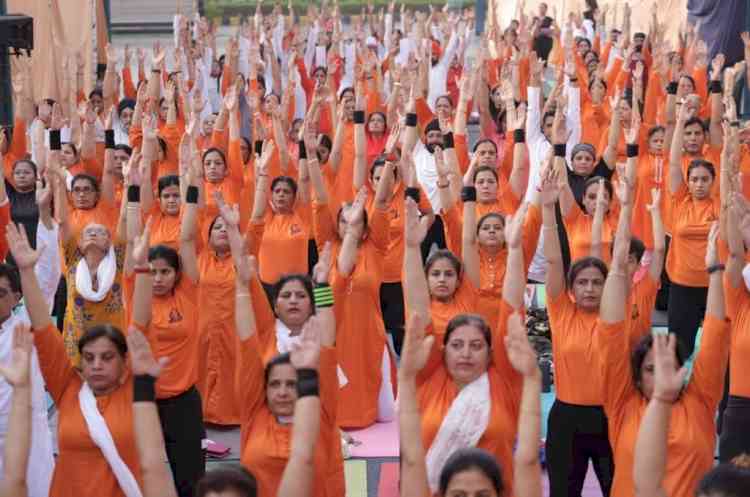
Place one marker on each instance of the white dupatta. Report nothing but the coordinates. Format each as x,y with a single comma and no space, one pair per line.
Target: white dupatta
285,340
105,277
101,436
462,427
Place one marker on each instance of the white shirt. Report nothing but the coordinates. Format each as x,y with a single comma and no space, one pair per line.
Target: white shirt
427,176
439,72
539,146
41,458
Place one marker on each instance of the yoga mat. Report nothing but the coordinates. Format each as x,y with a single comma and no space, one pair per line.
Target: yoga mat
355,473
389,475
378,440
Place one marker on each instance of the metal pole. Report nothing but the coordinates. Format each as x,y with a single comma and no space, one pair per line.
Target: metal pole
6,96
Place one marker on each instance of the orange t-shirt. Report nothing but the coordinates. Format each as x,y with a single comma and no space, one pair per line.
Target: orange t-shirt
689,222
711,154
507,204
284,242
231,186
596,119
173,333
579,225
573,350
692,428
342,192
80,468
641,303
738,309
266,441
465,301
436,392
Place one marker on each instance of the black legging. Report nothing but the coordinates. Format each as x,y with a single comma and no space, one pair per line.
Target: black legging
735,435
576,434
687,306
392,307
182,423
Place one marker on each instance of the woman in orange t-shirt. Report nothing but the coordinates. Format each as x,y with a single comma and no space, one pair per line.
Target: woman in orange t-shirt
690,213
577,425
267,394
650,174
95,403
628,380
468,358
591,229
171,325
282,232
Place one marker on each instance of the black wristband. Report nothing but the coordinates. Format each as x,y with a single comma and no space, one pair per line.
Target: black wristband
631,150
560,149
734,124
572,80
411,119
109,138
302,150
144,388
519,136
134,193
191,195
715,267
307,383
672,88
413,193
448,141
54,139
715,86
258,145
468,194
359,117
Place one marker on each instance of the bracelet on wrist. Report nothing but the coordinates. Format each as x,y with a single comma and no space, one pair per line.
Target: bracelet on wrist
715,267
109,138
519,136
307,383
359,117
715,86
302,150
411,119
134,193
191,195
631,150
672,88
560,149
144,388
413,193
323,295
448,141
54,140
468,194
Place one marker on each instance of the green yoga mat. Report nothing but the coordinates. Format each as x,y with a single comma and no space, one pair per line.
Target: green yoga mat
356,478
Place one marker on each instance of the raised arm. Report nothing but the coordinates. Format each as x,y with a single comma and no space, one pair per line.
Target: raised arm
18,438
149,439
650,462
609,155
514,283
360,140
297,480
555,283
469,244
349,251
597,224
414,355
675,153
416,292
611,309
527,472
715,131
188,228
519,175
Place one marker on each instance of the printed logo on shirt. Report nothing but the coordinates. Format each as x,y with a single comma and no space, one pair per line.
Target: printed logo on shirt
393,214
175,316
635,314
295,229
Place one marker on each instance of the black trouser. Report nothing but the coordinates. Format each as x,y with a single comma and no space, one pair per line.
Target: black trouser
182,424
735,435
687,306
392,307
436,235
576,434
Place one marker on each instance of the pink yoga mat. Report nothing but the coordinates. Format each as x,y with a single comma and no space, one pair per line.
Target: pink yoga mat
388,485
379,440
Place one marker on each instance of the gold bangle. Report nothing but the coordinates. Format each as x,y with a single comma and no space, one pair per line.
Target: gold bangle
551,228
241,295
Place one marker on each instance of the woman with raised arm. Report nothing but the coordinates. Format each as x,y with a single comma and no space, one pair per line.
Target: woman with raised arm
18,440
169,294
577,424
268,393
469,469
690,213
628,381
97,453
468,391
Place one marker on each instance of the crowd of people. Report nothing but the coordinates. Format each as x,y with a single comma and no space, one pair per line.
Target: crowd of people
300,237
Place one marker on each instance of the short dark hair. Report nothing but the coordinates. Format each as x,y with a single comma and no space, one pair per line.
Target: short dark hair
10,273
218,151
276,361
483,169
727,479
30,162
107,331
167,181
124,148
471,459
304,280
489,215
284,179
695,120
484,140
474,320
585,263
443,254
228,477
595,180
696,163
87,177
168,254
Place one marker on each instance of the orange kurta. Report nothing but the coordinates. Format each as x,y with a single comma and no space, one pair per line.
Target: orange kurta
436,392
360,336
578,225
217,354
465,301
650,172
738,309
80,467
266,441
692,429
284,243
